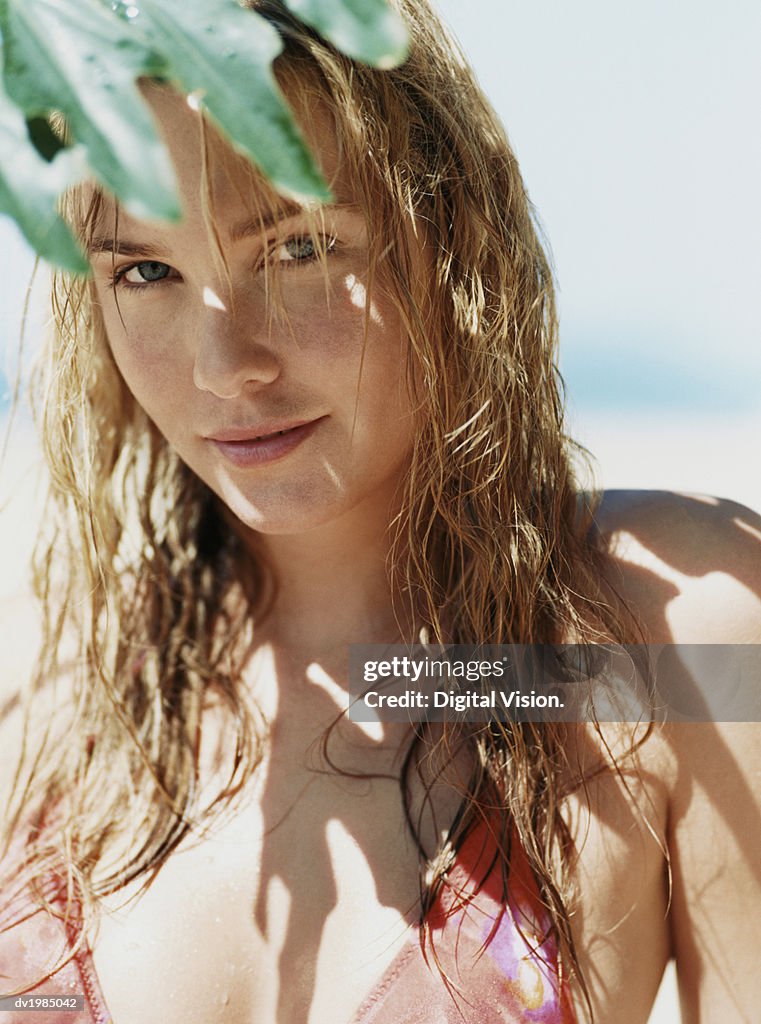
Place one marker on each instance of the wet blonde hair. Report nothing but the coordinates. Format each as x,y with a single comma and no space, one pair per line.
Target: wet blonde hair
142,567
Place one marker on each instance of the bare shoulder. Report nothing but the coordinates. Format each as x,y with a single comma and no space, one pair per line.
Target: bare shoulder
689,564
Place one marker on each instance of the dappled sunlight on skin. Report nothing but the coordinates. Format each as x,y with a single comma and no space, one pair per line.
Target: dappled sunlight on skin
334,477
212,301
665,541
201,353
358,297
342,845
323,830
722,782
278,900
316,674
752,529
717,538
702,499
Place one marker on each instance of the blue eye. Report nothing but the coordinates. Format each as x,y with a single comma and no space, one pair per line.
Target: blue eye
302,249
146,272
299,248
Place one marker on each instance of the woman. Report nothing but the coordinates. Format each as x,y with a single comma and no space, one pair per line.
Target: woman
274,431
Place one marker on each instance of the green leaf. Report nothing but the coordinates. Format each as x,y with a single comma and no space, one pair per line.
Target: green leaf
367,30
30,186
222,54
79,57
83,58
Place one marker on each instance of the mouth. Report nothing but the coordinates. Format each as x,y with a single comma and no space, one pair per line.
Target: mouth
259,432
276,433
247,447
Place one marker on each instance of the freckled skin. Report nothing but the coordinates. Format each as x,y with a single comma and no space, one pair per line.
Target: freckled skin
197,368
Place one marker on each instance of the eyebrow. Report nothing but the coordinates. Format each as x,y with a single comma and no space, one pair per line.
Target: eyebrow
263,222
121,245
243,229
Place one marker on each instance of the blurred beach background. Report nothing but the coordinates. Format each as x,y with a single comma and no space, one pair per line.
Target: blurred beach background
636,129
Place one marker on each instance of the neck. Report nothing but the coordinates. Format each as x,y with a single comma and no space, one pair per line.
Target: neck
332,588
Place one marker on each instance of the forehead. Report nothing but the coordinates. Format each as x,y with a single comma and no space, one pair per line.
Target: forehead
214,179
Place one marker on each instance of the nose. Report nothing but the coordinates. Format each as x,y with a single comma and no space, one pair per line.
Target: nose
233,349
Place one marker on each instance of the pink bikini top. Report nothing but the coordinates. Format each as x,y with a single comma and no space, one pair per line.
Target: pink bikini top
494,975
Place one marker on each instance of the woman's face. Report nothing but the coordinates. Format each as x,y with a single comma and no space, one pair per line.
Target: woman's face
294,420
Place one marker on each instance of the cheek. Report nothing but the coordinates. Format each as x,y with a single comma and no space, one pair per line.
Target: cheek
152,370
344,333
317,323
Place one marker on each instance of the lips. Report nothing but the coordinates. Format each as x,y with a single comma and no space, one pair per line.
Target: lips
258,432
248,447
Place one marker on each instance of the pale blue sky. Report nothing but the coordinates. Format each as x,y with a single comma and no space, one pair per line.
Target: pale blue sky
637,130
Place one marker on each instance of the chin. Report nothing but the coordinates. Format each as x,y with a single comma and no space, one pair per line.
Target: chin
281,518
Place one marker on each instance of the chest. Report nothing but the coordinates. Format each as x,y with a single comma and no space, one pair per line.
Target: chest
288,912
293,909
